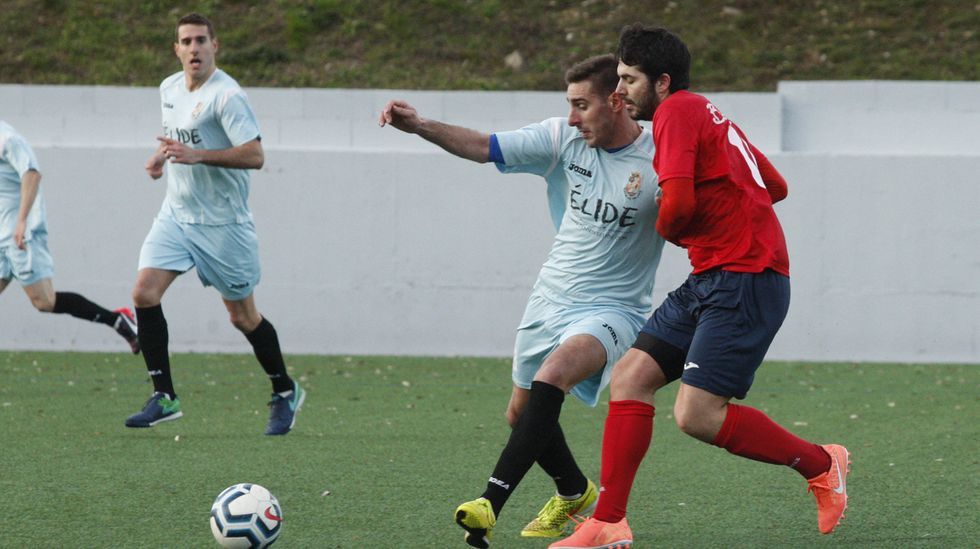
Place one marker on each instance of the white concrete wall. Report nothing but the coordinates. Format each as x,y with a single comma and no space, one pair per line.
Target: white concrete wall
869,117
314,119
884,258
374,242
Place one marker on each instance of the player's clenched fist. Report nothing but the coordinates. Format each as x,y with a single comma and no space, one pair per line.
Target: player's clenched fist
154,165
401,115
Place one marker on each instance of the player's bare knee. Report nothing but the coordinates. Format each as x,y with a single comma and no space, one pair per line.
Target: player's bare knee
144,296
140,300
619,386
685,421
42,303
634,378
692,424
514,410
556,378
244,322
692,421
628,371
512,415
240,322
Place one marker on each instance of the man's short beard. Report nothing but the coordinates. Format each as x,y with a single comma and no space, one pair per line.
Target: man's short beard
643,112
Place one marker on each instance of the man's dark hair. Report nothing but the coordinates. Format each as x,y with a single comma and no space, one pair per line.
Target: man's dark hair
599,70
656,51
194,19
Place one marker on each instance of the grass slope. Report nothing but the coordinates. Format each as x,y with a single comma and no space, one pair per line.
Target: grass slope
399,442
737,45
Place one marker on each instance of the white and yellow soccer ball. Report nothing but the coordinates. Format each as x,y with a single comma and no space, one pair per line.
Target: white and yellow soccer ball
246,516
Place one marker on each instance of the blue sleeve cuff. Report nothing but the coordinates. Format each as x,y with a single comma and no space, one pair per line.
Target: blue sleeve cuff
496,155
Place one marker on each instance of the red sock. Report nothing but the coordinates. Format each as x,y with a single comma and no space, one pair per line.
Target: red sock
629,428
749,433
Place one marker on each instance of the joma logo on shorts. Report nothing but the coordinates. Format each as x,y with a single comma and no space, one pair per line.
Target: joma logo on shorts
611,332
238,285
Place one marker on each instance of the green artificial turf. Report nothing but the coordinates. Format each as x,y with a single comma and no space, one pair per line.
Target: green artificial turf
386,447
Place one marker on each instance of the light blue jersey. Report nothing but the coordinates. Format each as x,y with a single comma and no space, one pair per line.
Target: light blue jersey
16,158
603,205
215,116
598,278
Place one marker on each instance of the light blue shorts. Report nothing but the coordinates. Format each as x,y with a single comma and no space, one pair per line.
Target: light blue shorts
30,265
226,256
546,325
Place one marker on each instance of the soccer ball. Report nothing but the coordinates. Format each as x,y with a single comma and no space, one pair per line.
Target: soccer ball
246,516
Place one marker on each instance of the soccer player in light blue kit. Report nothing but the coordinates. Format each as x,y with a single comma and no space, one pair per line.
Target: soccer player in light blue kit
594,291
211,139
24,251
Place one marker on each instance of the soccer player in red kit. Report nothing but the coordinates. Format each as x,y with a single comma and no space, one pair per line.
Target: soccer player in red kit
718,192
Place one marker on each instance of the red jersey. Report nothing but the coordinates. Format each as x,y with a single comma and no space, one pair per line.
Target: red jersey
734,227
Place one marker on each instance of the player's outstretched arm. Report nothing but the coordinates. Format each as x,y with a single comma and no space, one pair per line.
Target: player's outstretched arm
247,156
460,141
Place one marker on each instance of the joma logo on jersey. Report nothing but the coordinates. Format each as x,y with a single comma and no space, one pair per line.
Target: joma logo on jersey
579,169
184,136
603,212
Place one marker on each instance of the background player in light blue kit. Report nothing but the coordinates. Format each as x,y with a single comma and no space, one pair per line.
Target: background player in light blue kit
211,139
593,292
24,251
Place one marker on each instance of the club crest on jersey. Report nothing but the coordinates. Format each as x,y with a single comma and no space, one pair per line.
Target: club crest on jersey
197,110
632,188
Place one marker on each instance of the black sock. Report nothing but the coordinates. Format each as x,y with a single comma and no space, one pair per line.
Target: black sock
154,338
530,436
79,307
556,460
265,343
